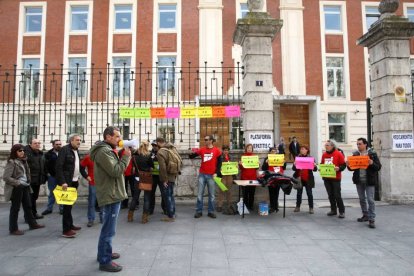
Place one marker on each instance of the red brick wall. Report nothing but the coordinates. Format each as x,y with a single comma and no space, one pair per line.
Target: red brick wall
9,14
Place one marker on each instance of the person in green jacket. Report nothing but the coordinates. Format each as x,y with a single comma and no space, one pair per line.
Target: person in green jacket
110,191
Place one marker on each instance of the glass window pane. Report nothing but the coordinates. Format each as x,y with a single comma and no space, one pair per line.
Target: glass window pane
33,19
79,18
335,77
123,17
166,76
371,15
410,14
243,9
121,76
167,14
30,82
77,83
332,18
336,118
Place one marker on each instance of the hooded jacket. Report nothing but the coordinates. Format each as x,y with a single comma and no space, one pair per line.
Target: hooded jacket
109,174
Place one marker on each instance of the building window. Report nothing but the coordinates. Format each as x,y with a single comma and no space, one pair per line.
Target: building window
244,9
28,126
33,19
30,83
77,83
337,125
166,76
335,77
410,14
166,129
122,124
333,21
75,123
123,17
167,16
371,16
121,76
79,18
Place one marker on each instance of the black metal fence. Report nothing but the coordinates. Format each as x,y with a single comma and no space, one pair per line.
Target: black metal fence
51,103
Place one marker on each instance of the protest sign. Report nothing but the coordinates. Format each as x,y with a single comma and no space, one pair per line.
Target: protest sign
250,162
276,160
229,168
67,197
327,170
358,162
304,163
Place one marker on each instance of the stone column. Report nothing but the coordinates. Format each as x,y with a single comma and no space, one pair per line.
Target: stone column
388,42
255,33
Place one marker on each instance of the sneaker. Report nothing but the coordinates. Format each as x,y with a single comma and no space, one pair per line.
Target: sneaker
363,218
198,215
90,223
36,226
37,216
219,209
311,211
69,234
297,210
76,228
111,267
17,233
212,215
46,212
371,224
168,219
331,213
341,215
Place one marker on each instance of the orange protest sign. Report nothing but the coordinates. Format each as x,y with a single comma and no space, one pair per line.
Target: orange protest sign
219,112
358,162
158,112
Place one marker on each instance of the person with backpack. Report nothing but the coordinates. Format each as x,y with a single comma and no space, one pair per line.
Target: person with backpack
170,164
210,167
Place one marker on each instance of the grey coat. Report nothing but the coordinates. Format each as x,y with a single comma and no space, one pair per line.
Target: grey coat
12,172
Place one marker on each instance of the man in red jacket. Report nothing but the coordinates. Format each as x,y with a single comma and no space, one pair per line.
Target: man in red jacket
333,185
210,166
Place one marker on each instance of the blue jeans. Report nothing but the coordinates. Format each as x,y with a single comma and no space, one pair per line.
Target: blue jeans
51,185
110,214
168,196
91,204
367,193
203,180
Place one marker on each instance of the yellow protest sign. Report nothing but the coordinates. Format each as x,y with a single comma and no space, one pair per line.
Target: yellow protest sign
358,162
276,160
229,168
188,112
67,197
327,170
205,112
220,184
250,162
126,112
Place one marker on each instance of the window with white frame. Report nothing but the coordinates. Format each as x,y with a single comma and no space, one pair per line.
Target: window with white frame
75,123
335,77
333,18
123,17
167,16
166,129
79,18
337,126
410,13
28,127
244,9
121,76
77,83
122,124
371,15
166,75
30,82
33,19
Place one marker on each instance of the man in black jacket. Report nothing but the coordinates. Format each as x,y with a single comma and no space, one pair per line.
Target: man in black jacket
67,175
37,171
294,147
366,180
50,167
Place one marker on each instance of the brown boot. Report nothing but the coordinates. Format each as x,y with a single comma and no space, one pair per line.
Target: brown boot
130,216
144,218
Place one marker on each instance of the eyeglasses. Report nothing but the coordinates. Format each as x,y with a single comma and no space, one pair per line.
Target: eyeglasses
58,144
20,150
328,145
206,139
358,144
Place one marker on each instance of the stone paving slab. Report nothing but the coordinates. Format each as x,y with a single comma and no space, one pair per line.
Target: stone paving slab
300,244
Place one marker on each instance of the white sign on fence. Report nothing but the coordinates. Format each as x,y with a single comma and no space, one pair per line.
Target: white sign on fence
261,141
402,141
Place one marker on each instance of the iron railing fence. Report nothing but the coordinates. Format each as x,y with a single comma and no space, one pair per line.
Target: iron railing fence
52,103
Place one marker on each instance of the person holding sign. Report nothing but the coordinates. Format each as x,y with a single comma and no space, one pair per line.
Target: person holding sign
67,175
16,177
273,191
248,171
306,177
366,180
333,156
226,178
210,167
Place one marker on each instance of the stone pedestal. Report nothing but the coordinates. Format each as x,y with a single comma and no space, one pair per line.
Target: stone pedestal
388,43
255,33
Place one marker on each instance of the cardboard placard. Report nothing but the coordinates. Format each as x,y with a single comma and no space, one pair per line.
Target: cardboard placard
276,160
188,112
358,162
67,197
158,112
304,163
172,112
250,162
205,112
327,170
219,112
229,168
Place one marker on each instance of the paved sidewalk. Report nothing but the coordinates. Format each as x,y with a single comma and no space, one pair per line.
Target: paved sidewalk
300,244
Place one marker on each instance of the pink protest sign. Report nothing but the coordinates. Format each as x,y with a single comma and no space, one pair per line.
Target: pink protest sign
304,163
232,111
172,112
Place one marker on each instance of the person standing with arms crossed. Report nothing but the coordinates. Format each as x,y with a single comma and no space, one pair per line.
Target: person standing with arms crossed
110,191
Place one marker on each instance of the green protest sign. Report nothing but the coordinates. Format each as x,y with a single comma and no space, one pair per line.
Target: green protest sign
229,168
327,170
142,113
250,162
220,184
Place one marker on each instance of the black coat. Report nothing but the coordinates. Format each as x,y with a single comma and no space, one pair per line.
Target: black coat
37,166
65,166
372,170
50,162
294,149
311,180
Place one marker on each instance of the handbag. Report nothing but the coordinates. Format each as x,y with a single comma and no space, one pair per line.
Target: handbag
297,183
145,181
